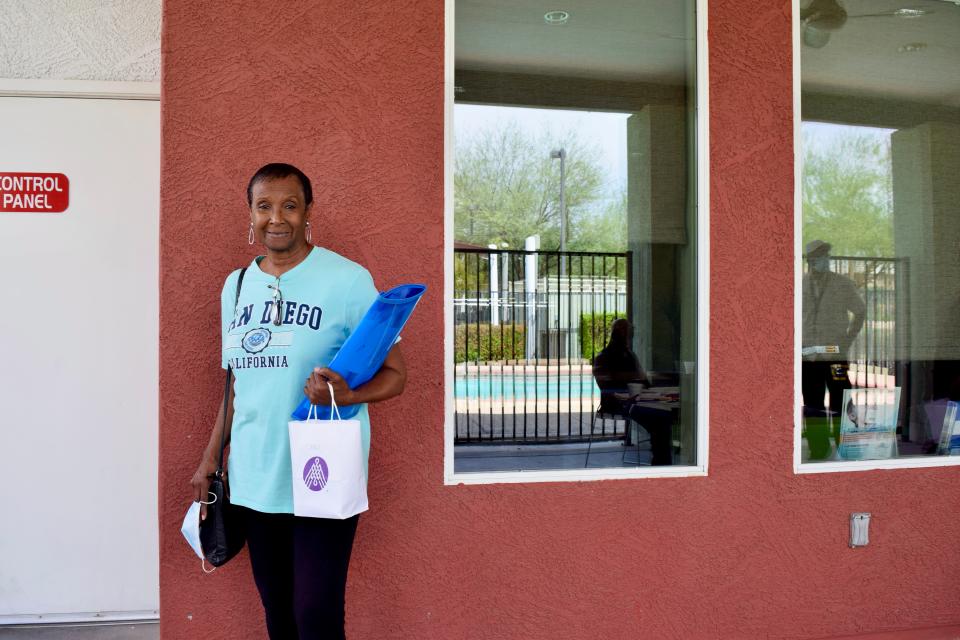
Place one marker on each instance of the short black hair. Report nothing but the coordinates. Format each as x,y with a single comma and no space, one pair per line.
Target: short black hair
276,170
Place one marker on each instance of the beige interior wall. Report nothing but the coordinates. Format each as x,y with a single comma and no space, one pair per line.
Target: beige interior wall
661,234
926,199
656,225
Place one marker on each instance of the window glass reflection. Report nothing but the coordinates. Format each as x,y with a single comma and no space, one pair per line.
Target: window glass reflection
880,353
575,236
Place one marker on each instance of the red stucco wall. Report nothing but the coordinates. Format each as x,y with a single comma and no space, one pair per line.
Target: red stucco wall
352,92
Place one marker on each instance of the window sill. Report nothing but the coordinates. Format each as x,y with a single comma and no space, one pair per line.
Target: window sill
574,475
872,465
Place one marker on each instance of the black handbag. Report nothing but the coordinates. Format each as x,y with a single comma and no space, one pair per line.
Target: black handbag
222,533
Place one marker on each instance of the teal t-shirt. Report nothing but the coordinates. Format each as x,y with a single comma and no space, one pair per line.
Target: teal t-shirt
324,299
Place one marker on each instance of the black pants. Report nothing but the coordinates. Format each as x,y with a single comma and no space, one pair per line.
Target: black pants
816,375
659,424
300,567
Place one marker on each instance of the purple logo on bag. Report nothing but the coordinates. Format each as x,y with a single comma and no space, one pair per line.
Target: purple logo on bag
315,473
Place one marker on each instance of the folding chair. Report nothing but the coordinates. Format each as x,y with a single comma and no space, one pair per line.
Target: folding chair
629,440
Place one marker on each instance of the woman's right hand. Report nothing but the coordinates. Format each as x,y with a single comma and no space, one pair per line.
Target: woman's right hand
201,483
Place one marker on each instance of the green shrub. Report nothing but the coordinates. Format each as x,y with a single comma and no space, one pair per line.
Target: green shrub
595,332
483,343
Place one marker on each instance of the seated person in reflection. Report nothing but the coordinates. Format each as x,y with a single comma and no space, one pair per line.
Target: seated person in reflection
614,369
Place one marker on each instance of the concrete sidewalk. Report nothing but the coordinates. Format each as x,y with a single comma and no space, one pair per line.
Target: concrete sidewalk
124,631
151,631
929,633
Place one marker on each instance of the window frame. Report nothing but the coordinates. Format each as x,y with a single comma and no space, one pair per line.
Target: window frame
703,289
800,467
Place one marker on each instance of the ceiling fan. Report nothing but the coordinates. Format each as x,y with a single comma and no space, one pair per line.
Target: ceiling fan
821,18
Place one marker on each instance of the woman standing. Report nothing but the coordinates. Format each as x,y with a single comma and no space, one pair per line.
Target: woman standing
297,304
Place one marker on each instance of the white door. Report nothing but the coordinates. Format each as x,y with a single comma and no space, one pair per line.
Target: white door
78,364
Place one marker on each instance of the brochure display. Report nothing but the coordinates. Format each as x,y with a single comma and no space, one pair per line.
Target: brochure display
363,352
868,424
950,434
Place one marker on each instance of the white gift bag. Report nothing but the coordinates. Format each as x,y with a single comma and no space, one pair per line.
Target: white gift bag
328,472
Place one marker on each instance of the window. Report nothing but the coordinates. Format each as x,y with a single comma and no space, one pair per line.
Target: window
879,233
574,331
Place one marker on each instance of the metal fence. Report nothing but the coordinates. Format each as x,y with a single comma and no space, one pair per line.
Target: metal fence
882,284
527,325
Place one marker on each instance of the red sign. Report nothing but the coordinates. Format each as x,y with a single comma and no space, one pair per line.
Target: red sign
34,192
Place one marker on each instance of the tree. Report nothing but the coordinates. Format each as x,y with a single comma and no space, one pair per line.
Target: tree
603,228
847,192
506,187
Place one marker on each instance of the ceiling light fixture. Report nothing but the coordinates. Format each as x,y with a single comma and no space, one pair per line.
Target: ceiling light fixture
909,13
913,47
556,17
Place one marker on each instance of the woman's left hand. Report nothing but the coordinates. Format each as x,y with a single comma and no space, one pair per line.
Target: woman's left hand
316,388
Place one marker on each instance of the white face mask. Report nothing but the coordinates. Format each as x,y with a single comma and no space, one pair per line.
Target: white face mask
191,528
191,531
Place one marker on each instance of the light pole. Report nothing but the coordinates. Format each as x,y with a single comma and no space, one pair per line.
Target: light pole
473,214
562,154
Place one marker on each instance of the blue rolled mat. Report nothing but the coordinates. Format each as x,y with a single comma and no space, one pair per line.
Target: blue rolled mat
363,352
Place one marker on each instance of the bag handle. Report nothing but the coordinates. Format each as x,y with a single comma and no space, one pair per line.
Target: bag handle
226,386
334,411
333,403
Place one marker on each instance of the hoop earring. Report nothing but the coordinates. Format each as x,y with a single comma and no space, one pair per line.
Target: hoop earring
250,235
309,234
